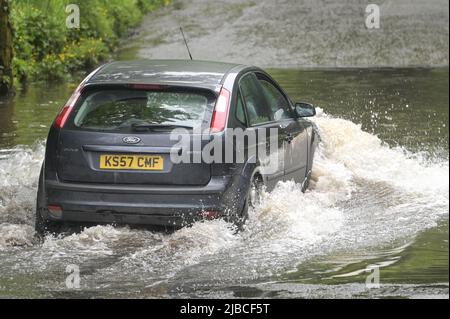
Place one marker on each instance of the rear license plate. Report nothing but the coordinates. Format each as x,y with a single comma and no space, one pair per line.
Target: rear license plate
132,162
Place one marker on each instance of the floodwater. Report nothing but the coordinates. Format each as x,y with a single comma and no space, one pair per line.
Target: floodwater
297,33
378,206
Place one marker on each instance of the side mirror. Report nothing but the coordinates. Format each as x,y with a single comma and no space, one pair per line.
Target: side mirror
305,109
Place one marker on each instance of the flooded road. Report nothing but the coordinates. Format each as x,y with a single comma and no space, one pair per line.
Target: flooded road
378,202
379,198
298,33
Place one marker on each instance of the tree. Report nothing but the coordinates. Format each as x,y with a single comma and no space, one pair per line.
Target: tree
6,50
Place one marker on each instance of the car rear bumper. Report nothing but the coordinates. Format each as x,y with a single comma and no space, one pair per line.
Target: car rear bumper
145,205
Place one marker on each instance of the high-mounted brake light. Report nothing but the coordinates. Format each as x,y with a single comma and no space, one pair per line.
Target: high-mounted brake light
64,113
219,118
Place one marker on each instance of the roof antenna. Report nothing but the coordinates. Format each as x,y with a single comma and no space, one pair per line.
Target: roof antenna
185,42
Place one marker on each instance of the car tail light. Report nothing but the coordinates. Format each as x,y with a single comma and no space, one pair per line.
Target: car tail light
64,113
55,210
219,118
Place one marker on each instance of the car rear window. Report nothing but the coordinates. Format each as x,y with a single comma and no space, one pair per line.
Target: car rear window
124,109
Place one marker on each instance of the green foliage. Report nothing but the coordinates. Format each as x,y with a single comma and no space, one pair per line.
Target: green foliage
46,49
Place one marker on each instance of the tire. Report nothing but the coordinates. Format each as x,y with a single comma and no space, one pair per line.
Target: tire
43,226
251,200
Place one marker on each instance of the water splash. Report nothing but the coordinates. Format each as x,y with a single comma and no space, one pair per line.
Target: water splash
363,194
19,172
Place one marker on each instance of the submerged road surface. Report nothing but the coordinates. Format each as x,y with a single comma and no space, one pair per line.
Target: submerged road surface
293,33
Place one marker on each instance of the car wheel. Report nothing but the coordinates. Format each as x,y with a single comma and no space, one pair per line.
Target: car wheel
252,199
43,226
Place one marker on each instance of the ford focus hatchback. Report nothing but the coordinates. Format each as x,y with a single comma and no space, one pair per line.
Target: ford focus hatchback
168,142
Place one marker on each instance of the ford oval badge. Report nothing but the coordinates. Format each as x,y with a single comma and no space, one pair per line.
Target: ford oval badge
131,139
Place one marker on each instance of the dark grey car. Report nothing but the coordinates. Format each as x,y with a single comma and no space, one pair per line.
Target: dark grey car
109,153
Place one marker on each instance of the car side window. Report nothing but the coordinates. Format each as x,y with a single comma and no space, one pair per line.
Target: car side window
255,105
278,103
240,112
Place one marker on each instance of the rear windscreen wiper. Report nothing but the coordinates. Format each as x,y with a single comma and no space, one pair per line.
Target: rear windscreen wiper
150,126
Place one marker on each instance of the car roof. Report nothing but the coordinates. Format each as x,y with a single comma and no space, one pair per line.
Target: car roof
193,73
